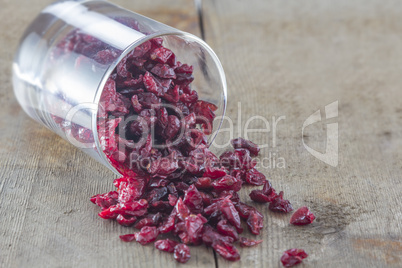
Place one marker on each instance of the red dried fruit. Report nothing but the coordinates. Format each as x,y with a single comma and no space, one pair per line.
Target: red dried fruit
168,224
280,205
130,189
134,208
302,216
267,189
125,221
163,71
181,253
105,200
229,211
184,74
189,98
246,144
229,159
153,85
214,173
166,245
227,250
254,177
210,235
162,167
193,227
193,200
164,154
147,235
140,50
136,104
203,183
206,199
245,161
148,220
172,200
293,256
161,54
227,183
259,197
255,222
182,211
172,95
172,128
244,209
226,229
148,100
245,242
127,237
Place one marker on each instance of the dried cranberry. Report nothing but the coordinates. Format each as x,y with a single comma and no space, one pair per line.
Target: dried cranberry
105,200
163,71
203,183
193,226
226,229
125,221
214,173
259,197
246,162
293,256
227,250
164,154
134,208
166,245
302,216
184,74
245,242
182,210
148,220
227,183
244,209
168,224
172,128
163,166
193,200
147,235
280,205
128,237
131,189
229,159
206,199
229,211
267,189
148,100
254,177
161,54
136,104
255,222
246,144
181,253
172,200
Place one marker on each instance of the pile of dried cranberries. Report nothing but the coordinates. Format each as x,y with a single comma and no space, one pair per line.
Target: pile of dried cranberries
153,129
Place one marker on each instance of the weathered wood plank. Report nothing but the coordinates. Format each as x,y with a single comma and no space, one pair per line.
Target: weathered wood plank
290,59
46,217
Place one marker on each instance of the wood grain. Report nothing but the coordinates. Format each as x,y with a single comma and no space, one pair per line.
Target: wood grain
290,59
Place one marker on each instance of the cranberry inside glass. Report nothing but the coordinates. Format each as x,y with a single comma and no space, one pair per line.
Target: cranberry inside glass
71,51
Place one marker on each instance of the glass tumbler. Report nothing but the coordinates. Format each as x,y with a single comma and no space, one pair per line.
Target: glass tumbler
58,77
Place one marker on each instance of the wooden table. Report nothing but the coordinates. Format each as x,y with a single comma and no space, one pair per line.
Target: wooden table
282,58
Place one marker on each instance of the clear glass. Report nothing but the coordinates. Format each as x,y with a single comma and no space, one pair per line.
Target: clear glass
63,95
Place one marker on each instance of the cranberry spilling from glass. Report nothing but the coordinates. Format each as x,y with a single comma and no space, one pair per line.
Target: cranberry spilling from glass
153,129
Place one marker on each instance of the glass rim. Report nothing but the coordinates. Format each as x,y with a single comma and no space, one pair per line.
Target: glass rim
126,51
